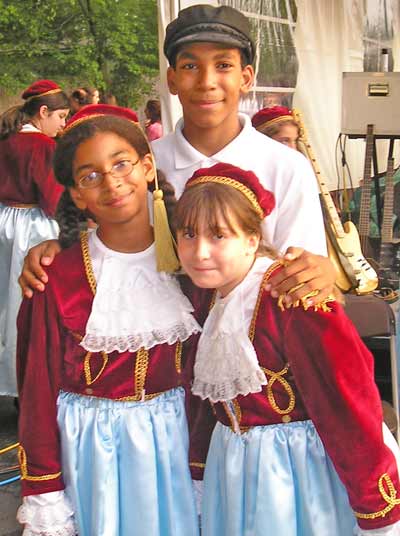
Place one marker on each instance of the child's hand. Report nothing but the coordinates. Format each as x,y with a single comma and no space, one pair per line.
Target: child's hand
313,272
33,277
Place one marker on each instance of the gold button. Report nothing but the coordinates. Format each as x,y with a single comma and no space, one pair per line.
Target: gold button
89,391
286,418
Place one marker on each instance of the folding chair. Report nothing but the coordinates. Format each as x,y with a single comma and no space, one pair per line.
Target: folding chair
375,321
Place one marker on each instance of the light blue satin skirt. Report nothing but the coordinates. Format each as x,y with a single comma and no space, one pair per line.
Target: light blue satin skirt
20,229
273,481
125,465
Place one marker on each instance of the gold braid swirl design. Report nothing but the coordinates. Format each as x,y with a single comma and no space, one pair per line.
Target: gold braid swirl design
251,196
24,469
277,377
390,499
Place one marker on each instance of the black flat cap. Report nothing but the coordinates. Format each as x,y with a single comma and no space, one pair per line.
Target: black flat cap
205,23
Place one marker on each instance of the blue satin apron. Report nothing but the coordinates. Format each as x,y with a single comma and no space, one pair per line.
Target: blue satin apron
20,229
125,465
274,480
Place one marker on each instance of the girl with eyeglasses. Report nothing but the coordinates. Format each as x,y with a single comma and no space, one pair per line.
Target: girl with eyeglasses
103,433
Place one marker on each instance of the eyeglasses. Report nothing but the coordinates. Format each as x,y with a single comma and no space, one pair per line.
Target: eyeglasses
118,171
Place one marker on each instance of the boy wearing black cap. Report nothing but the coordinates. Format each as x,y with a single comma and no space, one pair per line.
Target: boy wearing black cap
210,52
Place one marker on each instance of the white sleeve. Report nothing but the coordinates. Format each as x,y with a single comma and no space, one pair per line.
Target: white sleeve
47,514
390,530
298,220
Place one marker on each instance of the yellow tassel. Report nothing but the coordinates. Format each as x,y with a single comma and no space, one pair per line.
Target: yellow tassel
167,260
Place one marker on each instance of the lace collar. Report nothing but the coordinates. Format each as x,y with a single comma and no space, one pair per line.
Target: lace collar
226,362
134,306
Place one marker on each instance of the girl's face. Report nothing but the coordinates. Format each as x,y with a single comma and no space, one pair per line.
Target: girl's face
95,97
219,260
114,201
51,123
288,135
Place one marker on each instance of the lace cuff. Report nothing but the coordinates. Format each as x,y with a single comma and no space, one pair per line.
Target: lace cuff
390,530
47,514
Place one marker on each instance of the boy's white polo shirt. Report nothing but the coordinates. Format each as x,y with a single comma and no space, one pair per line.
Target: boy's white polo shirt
297,218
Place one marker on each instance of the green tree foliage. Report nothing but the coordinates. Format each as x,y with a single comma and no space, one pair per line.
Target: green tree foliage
109,44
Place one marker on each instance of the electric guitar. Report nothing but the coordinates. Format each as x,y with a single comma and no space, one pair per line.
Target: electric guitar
365,204
389,251
344,248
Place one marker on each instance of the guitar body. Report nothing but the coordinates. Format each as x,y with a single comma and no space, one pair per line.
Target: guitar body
351,246
342,281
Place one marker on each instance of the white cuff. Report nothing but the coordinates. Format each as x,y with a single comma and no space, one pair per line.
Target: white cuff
389,530
47,514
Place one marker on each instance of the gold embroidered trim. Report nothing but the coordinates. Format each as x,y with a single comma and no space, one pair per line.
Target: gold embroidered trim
277,377
390,498
251,196
275,120
87,118
87,261
24,469
197,464
142,362
49,92
137,398
86,362
237,410
88,372
178,357
265,278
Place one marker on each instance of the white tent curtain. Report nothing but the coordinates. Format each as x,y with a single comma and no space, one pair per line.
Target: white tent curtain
328,40
170,106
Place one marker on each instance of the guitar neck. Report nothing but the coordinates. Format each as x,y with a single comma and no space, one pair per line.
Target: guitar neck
365,205
326,196
387,225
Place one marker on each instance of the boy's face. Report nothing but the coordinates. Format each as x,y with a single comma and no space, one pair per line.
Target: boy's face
209,81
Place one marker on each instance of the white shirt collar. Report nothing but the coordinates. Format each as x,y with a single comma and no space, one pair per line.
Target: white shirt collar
187,156
28,127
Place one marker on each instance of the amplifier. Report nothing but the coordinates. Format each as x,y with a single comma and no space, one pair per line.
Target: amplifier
371,98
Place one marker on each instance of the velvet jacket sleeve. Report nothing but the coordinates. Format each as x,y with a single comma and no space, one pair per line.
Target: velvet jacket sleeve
41,170
39,358
333,371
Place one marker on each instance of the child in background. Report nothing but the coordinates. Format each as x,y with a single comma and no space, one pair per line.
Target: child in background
102,424
298,446
29,195
154,128
279,124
